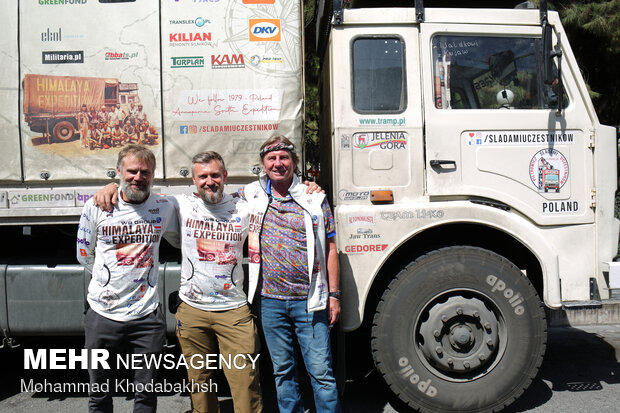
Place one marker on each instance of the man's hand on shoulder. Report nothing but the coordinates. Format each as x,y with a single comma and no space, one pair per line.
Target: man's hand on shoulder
106,197
312,187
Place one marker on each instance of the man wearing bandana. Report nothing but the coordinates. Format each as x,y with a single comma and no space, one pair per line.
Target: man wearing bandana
293,253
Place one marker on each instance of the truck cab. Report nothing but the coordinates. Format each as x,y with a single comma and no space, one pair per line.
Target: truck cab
472,182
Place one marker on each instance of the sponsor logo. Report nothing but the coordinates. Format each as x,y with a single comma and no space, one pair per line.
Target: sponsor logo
382,140
198,21
265,30
61,2
515,137
62,57
84,230
120,55
364,231
203,1
154,211
83,252
353,196
416,214
558,207
187,61
345,142
51,36
548,170
194,38
383,121
257,60
226,61
352,249
513,299
361,219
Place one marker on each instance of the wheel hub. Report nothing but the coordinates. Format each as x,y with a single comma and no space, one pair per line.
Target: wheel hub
460,335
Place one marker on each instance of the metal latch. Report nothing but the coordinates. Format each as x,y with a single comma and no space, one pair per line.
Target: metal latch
591,139
593,198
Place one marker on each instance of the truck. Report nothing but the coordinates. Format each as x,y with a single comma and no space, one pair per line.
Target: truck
436,125
51,103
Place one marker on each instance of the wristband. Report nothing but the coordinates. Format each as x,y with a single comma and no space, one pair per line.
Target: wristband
335,294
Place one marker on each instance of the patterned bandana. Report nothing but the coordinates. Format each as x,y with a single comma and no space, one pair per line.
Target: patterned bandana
277,147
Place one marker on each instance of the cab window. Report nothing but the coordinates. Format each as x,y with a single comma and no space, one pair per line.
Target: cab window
484,72
378,75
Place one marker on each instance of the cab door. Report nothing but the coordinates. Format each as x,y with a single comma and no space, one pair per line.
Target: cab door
491,125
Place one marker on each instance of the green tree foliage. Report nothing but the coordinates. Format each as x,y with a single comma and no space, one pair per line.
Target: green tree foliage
593,28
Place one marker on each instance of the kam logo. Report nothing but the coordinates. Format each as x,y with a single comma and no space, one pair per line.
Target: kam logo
265,30
225,61
187,61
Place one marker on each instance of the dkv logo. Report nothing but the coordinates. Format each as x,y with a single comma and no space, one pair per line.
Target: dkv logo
265,30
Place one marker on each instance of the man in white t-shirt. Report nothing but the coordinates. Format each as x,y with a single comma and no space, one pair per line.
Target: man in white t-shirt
121,250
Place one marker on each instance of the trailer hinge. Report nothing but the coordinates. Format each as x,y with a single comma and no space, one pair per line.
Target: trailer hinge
591,139
593,198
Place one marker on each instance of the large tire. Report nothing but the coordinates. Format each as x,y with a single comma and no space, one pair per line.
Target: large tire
63,131
460,329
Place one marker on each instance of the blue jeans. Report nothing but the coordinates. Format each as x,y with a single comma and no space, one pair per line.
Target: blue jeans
282,321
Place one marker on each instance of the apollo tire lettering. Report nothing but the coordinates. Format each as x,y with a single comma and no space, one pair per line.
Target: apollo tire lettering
515,299
408,373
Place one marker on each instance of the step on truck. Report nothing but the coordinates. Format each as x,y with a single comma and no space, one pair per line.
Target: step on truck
471,181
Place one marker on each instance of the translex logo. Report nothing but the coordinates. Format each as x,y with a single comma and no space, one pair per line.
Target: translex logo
187,61
198,21
120,55
225,61
265,30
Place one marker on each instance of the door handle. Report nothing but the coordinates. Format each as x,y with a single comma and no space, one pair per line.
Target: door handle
441,162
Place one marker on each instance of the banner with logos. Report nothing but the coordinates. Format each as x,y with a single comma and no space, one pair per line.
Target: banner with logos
90,85
9,95
231,79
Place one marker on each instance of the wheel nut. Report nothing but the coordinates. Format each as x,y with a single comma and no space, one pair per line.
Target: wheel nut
482,357
459,311
439,350
450,362
487,325
490,343
466,364
436,333
476,314
444,318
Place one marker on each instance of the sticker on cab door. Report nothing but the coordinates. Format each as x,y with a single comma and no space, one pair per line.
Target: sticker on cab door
549,170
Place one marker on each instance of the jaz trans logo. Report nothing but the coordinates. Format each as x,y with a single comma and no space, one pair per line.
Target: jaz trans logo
549,170
225,61
265,30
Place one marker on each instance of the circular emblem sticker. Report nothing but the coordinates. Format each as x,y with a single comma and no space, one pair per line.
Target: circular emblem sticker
549,170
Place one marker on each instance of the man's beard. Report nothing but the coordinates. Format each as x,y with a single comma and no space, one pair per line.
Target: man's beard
135,195
211,197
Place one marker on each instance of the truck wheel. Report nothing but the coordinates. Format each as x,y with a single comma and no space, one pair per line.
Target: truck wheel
459,329
63,131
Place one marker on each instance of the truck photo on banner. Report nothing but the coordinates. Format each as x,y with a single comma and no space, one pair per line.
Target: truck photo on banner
90,85
231,79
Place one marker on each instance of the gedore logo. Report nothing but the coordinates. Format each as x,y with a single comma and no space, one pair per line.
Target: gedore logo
264,30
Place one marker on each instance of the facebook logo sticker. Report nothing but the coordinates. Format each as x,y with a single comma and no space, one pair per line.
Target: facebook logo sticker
183,130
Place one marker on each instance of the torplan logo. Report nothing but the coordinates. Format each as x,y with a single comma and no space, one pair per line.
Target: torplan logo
51,36
225,61
120,55
265,30
187,61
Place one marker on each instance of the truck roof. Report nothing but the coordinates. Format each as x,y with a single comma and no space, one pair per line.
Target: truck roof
398,15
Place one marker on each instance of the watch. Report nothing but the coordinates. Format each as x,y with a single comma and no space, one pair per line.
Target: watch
335,294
